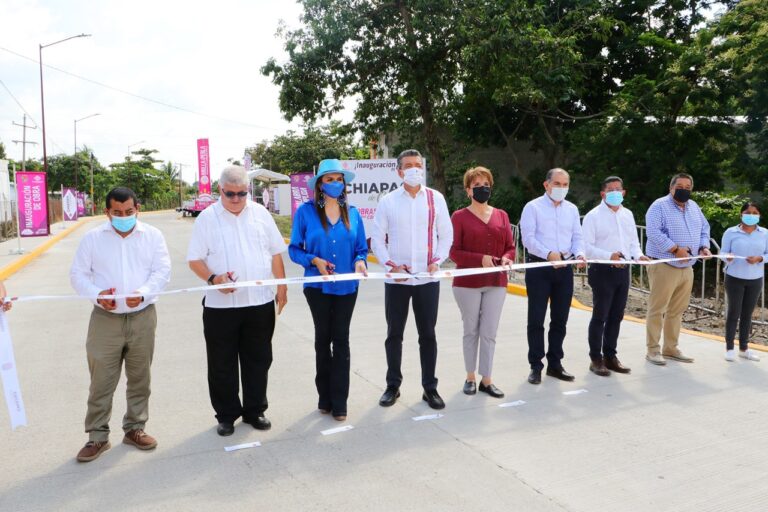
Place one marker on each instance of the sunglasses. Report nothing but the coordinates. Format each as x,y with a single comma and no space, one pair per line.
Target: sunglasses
231,194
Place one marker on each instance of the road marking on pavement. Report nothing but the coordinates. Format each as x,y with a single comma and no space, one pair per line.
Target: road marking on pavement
575,392
512,404
427,417
242,446
336,430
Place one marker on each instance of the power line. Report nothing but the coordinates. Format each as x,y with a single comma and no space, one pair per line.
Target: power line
138,96
53,142
18,102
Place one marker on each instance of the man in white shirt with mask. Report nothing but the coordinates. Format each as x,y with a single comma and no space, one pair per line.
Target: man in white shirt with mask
610,233
121,256
551,231
238,239
412,233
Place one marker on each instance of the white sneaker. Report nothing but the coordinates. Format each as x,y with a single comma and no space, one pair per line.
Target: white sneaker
749,355
730,355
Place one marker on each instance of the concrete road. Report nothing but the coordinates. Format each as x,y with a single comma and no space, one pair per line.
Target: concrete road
681,437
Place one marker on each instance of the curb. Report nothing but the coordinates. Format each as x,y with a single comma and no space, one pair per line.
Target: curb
517,289
26,259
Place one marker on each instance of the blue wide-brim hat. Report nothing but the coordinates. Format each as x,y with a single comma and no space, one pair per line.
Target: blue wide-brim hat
330,166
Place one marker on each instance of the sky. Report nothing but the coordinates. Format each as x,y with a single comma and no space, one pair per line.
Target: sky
201,56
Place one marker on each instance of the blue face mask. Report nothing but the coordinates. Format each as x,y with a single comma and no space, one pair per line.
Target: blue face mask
124,224
614,198
333,189
750,219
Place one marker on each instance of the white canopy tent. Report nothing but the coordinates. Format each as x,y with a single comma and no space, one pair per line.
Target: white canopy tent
267,176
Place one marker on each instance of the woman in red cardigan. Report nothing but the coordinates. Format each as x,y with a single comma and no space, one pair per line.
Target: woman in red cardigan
482,237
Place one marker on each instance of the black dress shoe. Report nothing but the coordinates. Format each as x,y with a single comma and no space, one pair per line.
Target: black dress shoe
534,377
597,366
560,373
470,388
433,399
613,363
389,397
259,423
492,390
225,429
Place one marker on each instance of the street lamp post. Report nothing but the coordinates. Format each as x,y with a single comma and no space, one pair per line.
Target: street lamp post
74,162
42,96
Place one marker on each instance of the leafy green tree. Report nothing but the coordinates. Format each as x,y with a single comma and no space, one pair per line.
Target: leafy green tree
2,151
399,59
293,152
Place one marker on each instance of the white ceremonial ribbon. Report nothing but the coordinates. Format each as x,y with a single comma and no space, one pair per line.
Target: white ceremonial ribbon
10,377
374,276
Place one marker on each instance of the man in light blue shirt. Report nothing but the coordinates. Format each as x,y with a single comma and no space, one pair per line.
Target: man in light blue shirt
551,231
676,228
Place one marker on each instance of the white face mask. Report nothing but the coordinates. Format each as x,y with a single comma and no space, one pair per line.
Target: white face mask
414,176
558,194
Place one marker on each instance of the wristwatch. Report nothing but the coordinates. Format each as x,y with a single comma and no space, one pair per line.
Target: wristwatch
211,278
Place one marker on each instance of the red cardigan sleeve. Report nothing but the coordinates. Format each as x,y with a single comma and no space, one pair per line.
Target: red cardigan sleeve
509,245
462,257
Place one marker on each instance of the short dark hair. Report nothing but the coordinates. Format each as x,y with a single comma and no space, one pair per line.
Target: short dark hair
121,195
680,175
407,152
746,205
611,179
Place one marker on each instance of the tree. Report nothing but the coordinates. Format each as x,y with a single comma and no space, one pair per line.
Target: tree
294,152
2,151
739,65
398,58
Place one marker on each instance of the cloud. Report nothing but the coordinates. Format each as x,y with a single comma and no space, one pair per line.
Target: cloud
203,56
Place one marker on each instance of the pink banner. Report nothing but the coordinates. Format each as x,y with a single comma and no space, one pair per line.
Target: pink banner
80,204
69,203
32,197
203,166
300,191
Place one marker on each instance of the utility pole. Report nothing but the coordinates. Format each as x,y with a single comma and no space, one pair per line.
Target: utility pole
23,141
181,199
93,200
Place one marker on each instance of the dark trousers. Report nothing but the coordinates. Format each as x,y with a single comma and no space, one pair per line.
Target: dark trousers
553,285
332,315
244,335
396,302
610,287
742,299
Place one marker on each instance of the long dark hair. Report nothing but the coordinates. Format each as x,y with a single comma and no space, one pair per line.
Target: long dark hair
321,209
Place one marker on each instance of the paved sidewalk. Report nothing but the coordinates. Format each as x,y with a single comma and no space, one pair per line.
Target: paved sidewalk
674,438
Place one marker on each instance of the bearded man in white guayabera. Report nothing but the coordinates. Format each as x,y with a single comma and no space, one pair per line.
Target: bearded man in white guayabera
551,232
121,256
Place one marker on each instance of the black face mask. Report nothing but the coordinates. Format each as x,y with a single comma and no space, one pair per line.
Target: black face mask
481,194
682,195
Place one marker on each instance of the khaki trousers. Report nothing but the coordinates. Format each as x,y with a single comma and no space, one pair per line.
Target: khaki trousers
112,339
669,298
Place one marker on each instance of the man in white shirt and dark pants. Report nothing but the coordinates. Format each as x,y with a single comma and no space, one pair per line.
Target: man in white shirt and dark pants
237,239
121,256
610,233
551,231
412,233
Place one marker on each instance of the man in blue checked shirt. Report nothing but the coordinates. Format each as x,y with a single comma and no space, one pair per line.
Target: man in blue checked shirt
676,228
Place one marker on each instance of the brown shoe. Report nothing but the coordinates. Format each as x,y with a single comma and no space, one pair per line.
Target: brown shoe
613,363
92,450
598,368
140,439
